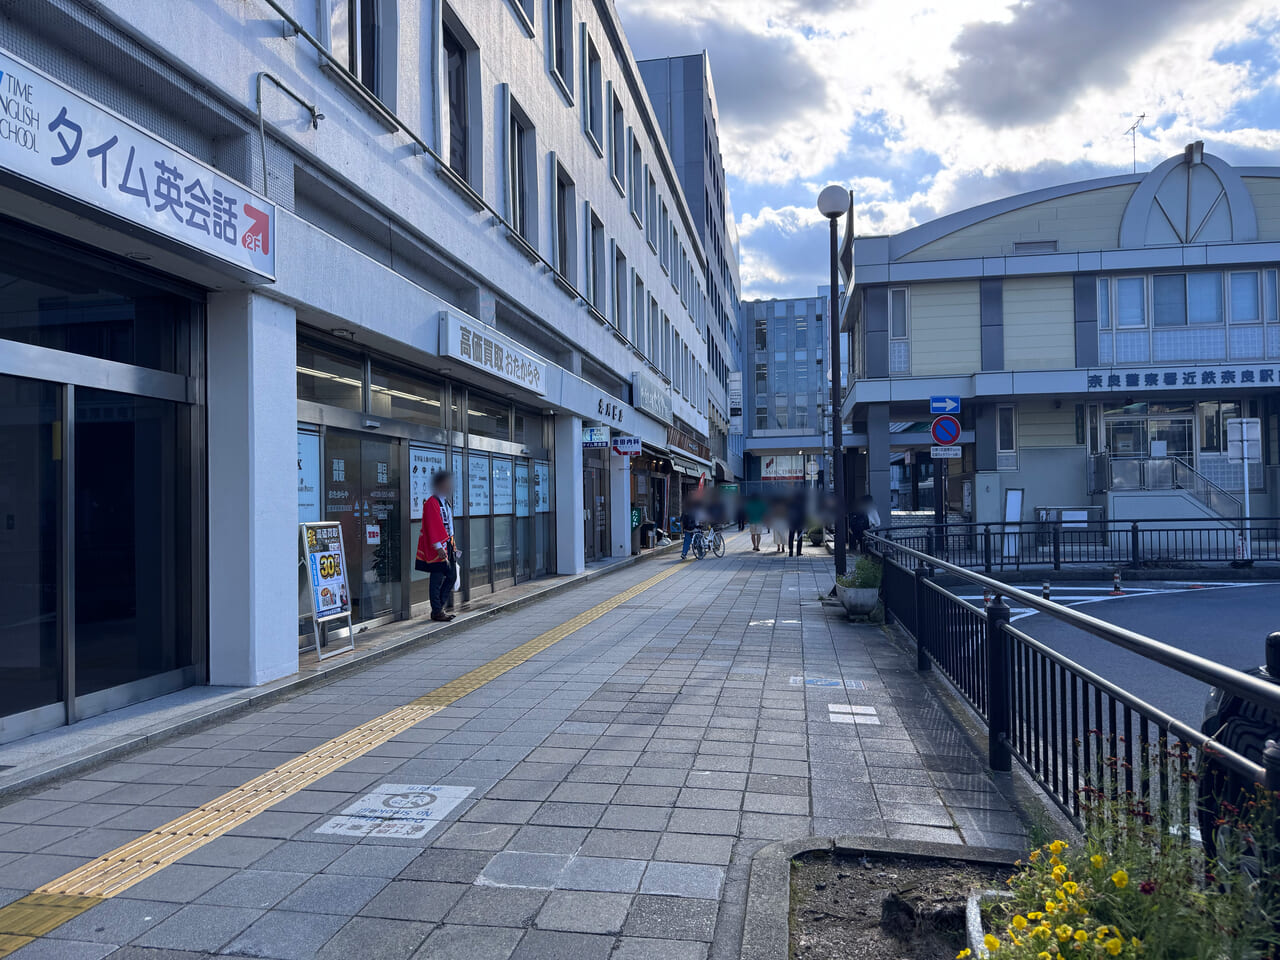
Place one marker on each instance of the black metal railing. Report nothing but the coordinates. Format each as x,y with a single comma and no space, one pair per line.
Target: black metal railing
1076,733
1105,543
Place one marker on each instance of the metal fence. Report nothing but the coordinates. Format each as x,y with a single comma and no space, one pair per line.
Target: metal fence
1076,733
1061,543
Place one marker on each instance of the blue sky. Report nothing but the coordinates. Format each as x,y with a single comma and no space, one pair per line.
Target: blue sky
923,107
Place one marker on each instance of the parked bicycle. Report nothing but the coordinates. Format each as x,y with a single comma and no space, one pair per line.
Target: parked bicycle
704,540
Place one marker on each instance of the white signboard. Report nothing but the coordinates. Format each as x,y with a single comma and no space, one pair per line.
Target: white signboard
735,402
945,453
541,486
484,348
522,489
308,477
326,570
1244,440
651,397
373,534
626,446
458,485
503,494
405,810
73,146
424,463
595,437
477,485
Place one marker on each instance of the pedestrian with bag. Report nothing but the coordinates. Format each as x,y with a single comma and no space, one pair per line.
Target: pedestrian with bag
436,552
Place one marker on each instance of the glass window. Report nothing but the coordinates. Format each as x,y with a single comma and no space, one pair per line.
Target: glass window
898,314
488,418
566,258
561,34
595,95
456,102
1270,299
1104,304
397,395
1131,302
30,551
1169,300
1210,427
68,304
326,376
1245,307
1006,434
1204,297
521,175
802,334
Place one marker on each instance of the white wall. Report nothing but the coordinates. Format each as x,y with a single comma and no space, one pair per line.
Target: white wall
253,496
570,533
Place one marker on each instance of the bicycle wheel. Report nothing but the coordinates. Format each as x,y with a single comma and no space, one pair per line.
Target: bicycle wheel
699,546
717,544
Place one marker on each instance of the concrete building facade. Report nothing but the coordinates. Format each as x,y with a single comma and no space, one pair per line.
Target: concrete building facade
1099,336
280,261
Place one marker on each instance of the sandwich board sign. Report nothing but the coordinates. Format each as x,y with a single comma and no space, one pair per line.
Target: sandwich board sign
325,567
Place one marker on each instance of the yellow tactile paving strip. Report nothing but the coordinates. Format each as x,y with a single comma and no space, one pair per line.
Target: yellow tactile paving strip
72,894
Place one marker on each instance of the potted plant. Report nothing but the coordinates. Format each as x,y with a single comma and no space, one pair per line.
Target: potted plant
817,536
859,590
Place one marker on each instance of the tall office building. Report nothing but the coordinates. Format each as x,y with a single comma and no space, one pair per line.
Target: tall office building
684,101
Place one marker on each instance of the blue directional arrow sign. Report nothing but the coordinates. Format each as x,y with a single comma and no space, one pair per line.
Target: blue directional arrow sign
944,404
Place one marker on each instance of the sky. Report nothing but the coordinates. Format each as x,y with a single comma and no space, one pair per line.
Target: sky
923,108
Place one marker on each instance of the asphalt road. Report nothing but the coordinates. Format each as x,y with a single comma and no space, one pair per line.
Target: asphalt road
1227,623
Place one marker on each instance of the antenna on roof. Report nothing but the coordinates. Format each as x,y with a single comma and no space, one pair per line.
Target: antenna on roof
1133,132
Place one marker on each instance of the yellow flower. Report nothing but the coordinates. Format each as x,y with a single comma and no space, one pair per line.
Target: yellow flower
1097,860
1120,878
963,953
1033,856
991,943
1059,873
1057,847
1071,887
1050,907
1082,936
1064,932
1043,956
1114,946
1034,916
1054,861
1019,922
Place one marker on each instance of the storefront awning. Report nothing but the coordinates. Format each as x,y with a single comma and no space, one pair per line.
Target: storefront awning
688,467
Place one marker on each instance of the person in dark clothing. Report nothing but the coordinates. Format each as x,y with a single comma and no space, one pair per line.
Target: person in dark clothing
795,525
688,523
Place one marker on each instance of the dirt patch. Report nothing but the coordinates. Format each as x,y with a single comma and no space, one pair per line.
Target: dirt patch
882,907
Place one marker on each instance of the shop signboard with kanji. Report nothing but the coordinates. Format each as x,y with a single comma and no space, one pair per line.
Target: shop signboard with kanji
70,145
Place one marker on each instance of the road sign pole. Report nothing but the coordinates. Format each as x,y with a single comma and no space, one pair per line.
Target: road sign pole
940,506
1244,449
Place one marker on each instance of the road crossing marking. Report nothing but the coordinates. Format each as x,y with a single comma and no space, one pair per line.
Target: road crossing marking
70,895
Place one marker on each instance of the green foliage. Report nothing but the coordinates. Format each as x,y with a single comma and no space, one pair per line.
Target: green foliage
865,575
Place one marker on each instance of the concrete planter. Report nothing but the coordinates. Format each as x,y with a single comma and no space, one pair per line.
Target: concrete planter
973,918
858,601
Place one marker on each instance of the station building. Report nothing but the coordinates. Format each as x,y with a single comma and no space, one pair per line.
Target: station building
1098,334
275,261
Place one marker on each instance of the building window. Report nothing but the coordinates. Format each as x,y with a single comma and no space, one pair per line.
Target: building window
655,342
762,419
637,184
458,102
651,206
618,141
638,335
521,174
565,229
358,33
1169,300
1131,302
898,326
1245,304
592,93
664,237
597,284
524,12
560,37
1270,299
1006,429
781,420
1204,298
621,281
1104,304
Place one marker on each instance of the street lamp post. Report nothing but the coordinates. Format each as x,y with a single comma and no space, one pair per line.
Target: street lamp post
833,203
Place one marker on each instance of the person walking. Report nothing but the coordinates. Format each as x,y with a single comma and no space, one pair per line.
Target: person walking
755,519
436,553
688,524
795,524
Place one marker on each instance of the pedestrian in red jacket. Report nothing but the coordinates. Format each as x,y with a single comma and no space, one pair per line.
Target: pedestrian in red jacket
436,553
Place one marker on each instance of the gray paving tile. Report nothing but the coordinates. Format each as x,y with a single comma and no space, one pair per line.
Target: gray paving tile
116,921
577,911
629,844
231,852
476,836
671,918
299,856
454,866
497,907
180,883
692,820
366,860
262,889
636,948
695,848
380,938
282,935
695,880
554,945
200,927
420,900
536,839
635,818
518,869
604,874
336,895
554,814
452,942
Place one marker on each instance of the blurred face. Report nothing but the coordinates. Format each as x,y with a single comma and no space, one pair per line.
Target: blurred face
444,487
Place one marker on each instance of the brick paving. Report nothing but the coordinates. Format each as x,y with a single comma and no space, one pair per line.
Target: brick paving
620,782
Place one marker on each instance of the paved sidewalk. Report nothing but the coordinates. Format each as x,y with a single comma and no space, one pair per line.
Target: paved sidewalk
610,790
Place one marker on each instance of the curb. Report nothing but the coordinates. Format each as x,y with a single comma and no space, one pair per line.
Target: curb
1190,574
766,931
26,780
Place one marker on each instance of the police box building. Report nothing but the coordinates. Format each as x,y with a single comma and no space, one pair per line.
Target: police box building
277,262
1097,337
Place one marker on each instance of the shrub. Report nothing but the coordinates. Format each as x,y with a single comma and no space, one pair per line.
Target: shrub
866,574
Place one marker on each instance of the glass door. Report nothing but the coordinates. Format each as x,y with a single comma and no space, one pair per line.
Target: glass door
504,567
380,526
30,552
524,521
479,499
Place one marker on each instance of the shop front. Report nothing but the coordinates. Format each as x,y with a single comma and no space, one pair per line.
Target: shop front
372,435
